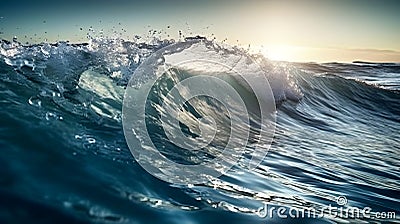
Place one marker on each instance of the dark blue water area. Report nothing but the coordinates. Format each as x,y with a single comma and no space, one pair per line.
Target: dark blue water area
43,182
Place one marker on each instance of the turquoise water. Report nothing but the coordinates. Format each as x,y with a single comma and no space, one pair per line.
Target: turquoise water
65,159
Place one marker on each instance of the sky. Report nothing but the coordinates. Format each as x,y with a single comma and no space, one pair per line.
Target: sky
297,30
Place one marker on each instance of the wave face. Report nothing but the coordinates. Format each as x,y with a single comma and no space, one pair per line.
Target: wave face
65,156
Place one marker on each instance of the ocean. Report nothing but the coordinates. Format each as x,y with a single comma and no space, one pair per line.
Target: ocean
65,158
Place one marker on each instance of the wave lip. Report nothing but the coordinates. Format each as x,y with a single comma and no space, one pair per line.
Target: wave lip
191,71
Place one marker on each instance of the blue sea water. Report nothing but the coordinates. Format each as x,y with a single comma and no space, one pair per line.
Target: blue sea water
65,159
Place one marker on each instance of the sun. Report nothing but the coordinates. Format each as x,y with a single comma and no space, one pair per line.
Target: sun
279,52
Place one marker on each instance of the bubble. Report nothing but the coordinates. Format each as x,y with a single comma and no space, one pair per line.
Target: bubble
91,140
53,116
35,101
